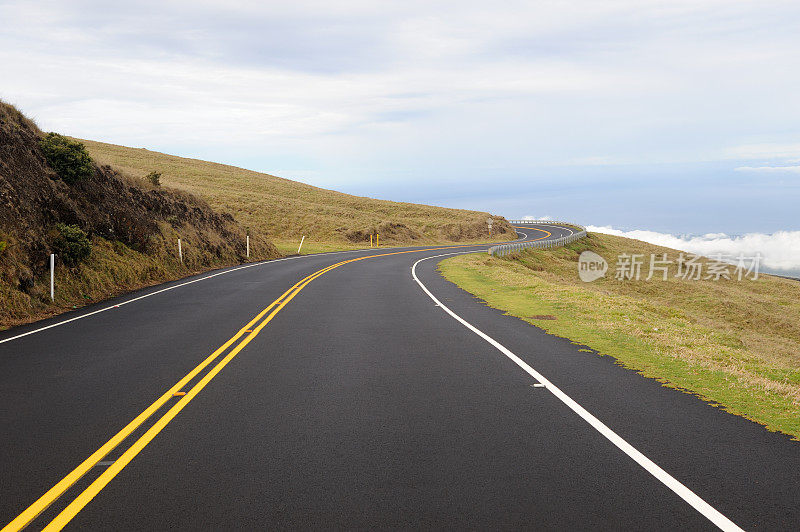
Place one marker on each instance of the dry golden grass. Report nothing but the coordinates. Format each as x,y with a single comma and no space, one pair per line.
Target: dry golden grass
734,343
284,210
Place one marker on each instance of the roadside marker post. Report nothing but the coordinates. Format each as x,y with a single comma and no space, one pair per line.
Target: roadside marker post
301,244
489,223
377,240
248,246
370,240
52,276
180,250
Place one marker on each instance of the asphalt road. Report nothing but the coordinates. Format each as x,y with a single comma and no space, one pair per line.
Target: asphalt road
363,402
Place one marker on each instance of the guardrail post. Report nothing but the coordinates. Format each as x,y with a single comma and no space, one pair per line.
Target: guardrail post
52,276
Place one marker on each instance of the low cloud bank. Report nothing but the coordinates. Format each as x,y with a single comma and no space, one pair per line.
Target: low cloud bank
780,250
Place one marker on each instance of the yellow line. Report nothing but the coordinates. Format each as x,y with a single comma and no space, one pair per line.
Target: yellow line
93,489
535,229
56,491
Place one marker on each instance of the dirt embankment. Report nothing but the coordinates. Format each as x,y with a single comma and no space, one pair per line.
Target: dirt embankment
133,228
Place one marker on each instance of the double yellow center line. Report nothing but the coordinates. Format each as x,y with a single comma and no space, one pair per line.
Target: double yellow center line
535,229
245,334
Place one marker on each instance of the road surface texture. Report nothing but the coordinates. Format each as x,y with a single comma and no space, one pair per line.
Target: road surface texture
362,402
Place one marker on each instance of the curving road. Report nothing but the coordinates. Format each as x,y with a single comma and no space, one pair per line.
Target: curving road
369,394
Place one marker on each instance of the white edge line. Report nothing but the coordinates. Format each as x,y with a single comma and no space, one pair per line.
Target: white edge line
571,232
651,467
117,305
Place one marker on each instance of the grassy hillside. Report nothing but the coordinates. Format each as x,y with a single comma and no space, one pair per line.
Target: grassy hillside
285,210
734,343
111,233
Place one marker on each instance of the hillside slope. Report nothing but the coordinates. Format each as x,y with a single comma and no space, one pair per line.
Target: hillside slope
284,209
735,343
132,229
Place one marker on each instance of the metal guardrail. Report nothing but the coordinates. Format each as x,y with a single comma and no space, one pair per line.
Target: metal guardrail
540,222
505,249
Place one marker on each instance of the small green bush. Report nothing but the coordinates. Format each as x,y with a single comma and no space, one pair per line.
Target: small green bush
3,246
154,178
67,157
72,244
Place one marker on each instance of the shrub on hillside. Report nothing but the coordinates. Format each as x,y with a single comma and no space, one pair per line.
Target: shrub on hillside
67,157
154,178
72,244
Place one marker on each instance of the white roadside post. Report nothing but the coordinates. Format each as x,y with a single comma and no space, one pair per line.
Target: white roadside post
301,244
180,250
489,223
248,246
52,276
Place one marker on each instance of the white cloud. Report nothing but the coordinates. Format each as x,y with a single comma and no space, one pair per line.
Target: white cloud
357,92
572,70
545,217
780,250
769,169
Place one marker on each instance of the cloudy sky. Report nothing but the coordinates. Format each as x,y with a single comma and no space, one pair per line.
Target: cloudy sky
678,117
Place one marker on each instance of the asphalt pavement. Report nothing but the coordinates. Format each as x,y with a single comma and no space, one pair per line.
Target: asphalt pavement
358,401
